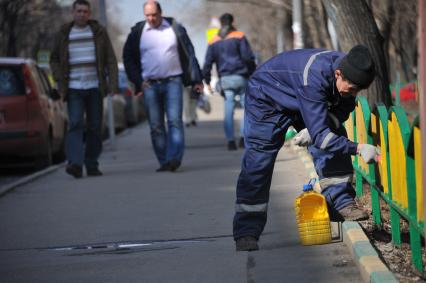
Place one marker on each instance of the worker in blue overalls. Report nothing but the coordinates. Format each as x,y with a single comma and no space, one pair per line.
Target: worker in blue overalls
313,90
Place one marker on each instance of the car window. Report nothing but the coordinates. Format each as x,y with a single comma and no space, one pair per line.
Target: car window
11,81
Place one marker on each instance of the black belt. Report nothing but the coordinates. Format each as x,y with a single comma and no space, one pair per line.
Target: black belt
163,80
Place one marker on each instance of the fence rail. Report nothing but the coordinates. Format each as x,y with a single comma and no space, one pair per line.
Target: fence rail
397,177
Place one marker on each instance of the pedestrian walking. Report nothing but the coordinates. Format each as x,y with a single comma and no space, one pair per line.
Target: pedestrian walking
159,57
81,60
313,90
235,62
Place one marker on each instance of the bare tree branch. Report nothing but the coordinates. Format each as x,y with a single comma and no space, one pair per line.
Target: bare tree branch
26,26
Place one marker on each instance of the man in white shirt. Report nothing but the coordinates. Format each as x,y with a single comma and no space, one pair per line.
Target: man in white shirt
159,58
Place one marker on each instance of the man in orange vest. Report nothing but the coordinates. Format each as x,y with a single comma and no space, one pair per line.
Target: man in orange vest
234,60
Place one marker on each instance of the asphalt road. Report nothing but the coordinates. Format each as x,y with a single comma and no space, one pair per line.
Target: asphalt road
136,225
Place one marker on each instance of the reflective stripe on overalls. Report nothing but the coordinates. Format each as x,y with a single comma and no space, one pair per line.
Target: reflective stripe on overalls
241,207
332,181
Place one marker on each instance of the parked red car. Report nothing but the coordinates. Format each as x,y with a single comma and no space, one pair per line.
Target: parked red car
32,116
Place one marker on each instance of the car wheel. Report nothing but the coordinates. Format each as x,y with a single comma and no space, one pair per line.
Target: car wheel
46,158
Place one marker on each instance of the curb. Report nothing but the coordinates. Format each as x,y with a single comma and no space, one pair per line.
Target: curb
27,179
371,267
369,263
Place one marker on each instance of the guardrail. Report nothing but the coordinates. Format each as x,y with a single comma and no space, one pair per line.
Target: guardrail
397,177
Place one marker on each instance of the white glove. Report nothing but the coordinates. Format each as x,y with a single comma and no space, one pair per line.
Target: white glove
302,138
368,152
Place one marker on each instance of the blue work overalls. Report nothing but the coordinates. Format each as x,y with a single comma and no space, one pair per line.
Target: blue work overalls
293,88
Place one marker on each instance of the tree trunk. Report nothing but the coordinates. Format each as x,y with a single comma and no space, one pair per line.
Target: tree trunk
354,23
287,31
384,15
315,33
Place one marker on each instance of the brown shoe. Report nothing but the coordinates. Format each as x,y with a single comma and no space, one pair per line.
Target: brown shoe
352,212
246,243
163,168
174,165
74,170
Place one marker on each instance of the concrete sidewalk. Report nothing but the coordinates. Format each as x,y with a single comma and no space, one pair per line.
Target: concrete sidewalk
136,225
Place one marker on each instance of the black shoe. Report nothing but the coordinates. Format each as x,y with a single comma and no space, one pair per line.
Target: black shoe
246,243
174,165
93,172
334,215
74,170
163,168
232,145
241,143
353,212
194,123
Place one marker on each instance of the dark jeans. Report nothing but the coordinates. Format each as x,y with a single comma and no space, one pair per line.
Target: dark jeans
83,103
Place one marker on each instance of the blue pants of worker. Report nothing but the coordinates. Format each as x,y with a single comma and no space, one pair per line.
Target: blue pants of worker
264,131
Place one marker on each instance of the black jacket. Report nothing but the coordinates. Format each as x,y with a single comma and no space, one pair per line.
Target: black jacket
132,56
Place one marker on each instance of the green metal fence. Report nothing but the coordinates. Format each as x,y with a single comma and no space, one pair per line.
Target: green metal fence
397,177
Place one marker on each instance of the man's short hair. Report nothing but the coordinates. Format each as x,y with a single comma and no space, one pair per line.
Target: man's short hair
226,19
159,10
80,2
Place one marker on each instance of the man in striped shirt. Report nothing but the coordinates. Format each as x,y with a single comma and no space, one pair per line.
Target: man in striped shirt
85,67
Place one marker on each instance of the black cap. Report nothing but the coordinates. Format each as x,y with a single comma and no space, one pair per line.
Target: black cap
358,66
